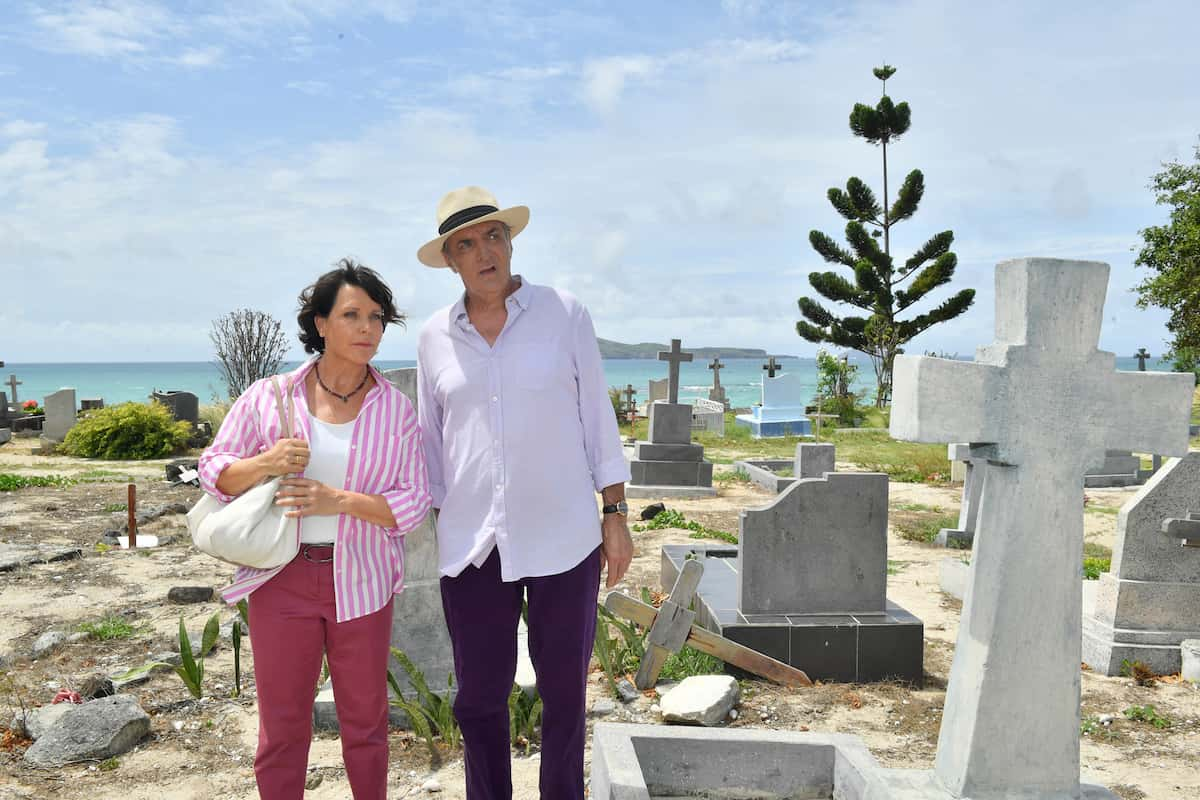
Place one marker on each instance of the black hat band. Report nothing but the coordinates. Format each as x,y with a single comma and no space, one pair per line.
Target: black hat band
464,216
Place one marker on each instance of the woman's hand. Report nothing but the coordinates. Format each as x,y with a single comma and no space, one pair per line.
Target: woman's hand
308,498
287,456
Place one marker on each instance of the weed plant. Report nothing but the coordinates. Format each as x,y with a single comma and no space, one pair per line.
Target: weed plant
11,483
430,715
1149,715
109,628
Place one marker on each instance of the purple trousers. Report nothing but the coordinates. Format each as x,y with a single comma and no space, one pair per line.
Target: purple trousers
482,612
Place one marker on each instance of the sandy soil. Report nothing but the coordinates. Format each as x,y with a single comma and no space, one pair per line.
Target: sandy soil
204,749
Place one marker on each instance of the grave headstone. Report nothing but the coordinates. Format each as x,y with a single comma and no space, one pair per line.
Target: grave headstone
13,383
184,406
717,393
771,367
91,404
1120,468
656,390
1050,404
783,408
629,392
674,357
1146,605
964,534
60,414
1141,355
806,582
419,625
5,413
813,460
669,464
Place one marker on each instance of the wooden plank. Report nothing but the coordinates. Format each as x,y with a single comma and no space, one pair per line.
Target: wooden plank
708,642
687,583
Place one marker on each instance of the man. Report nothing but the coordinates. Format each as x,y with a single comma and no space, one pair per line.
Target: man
519,434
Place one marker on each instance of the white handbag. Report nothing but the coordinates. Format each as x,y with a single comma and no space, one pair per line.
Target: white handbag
250,530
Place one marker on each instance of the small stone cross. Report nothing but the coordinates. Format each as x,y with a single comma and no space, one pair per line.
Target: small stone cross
673,357
716,366
771,367
1042,404
14,383
1141,355
629,392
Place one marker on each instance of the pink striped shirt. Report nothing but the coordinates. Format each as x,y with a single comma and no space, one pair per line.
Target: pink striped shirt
386,458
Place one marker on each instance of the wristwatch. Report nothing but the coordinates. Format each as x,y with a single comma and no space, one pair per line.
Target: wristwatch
619,507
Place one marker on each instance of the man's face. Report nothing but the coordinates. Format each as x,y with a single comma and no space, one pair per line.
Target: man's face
482,254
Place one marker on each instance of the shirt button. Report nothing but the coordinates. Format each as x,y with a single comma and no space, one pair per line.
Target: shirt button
495,398
499,487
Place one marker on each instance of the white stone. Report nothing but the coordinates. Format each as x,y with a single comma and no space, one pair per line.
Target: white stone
1189,649
1050,404
60,414
701,699
432,785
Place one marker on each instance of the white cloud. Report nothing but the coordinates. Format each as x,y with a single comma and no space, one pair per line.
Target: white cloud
313,88
104,28
199,57
21,129
604,79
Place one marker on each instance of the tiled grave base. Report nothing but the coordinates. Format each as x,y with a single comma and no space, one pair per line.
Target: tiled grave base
774,428
849,648
640,762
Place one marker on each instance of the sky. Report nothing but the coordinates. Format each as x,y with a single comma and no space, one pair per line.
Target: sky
162,164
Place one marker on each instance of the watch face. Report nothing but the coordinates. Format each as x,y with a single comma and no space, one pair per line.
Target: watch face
623,507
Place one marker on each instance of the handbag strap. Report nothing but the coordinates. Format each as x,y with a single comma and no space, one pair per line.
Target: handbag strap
285,420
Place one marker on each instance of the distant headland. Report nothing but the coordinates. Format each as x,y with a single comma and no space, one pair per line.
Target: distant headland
611,349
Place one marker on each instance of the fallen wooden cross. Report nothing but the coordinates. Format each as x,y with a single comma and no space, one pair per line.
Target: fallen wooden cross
671,627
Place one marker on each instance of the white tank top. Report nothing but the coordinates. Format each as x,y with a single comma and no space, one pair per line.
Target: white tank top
329,461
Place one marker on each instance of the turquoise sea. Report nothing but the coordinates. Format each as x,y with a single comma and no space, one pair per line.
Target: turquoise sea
117,383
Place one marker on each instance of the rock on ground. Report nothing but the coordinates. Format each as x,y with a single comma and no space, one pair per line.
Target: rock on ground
700,700
96,730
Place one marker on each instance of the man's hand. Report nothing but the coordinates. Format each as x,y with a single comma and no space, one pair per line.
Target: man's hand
616,547
308,498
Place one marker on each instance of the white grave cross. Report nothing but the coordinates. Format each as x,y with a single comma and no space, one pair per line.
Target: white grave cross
1048,403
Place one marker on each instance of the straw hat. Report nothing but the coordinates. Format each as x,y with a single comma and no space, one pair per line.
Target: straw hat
468,206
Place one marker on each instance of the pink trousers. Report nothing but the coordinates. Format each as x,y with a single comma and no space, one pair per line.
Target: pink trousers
292,623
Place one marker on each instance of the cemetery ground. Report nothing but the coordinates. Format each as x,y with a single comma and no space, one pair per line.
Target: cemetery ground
205,748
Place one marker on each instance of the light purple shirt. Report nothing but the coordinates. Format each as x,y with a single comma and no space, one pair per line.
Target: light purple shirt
519,436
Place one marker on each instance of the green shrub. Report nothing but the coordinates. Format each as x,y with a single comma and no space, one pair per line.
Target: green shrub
10,482
128,431
1149,715
431,715
1092,567
670,518
110,627
214,414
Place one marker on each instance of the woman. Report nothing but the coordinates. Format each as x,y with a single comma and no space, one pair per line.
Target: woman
358,484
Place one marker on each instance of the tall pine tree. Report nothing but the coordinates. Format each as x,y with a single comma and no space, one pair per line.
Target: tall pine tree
878,287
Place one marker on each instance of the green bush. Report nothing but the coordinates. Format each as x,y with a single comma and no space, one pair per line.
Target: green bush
214,414
10,482
128,431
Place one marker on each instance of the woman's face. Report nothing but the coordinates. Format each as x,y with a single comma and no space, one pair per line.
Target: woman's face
354,327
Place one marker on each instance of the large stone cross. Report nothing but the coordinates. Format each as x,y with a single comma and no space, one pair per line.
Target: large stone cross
716,366
673,357
1048,404
1141,355
13,384
771,367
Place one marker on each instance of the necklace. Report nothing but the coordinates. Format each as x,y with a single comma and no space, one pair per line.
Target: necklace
345,398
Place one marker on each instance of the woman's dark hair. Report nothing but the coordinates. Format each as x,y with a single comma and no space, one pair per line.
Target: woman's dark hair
317,300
